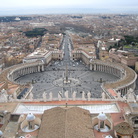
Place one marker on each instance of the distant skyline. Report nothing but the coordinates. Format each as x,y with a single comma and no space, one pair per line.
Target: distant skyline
15,7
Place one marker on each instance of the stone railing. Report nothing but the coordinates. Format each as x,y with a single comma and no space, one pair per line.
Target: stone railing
63,99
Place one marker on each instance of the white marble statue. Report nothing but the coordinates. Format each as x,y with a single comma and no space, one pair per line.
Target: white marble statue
124,98
4,98
44,96
103,96
31,96
66,95
59,96
10,98
74,95
130,96
15,95
50,96
83,95
89,96
119,96
3,91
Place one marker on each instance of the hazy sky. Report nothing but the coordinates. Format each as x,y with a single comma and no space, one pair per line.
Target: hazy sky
7,5
69,3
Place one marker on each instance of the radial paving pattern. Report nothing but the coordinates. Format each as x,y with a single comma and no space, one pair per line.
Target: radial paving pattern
82,79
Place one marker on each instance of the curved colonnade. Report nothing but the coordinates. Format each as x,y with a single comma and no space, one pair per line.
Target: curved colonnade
24,69
127,77
10,74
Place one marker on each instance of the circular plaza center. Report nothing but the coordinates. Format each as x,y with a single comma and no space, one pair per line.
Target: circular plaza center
64,83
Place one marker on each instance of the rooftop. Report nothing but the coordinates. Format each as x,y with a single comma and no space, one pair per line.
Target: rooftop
66,123
66,117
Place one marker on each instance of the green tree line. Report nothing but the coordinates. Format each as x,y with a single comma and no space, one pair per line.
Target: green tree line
36,32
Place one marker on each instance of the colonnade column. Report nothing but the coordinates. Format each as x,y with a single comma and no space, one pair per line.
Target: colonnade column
42,67
90,66
38,68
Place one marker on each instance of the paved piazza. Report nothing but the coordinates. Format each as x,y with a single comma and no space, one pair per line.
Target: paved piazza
67,75
80,77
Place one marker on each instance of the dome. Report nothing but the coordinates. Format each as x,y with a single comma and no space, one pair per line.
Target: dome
1,133
102,116
108,136
124,129
17,19
30,117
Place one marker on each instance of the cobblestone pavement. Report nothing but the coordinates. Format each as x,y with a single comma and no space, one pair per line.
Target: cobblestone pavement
89,80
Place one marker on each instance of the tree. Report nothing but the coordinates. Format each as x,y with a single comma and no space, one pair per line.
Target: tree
36,32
